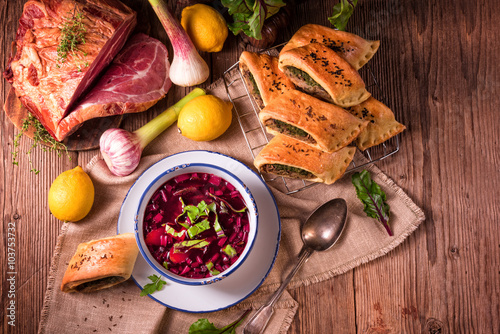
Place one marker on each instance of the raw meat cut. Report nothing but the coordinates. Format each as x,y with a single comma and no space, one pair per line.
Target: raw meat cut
47,86
136,79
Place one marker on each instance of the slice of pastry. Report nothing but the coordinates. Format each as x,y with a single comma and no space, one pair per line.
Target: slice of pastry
100,264
321,72
356,50
381,123
263,78
289,157
319,124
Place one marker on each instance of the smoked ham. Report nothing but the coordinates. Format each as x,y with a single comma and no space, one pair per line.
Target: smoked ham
47,85
136,79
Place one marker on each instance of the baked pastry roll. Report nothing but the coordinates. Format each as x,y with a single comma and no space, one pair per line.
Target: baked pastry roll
356,50
100,264
321,72
381,123
263,78
319,124
289,157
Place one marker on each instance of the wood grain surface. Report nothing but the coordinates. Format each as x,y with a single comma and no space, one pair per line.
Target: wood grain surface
438,66
85,138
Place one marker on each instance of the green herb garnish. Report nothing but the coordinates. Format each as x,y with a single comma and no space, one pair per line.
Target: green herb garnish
223,201
210,267
72,34
156,285
230,251
342,12
170,230
249,15
198,228
373,198
203,326
192,244
193,212
40,135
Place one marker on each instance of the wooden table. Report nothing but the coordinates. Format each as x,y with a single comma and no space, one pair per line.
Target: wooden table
439,68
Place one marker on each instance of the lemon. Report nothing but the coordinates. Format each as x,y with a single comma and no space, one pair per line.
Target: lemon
71,195
205,26
204,118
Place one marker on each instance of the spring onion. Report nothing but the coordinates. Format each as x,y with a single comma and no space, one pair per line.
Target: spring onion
188,68
122,149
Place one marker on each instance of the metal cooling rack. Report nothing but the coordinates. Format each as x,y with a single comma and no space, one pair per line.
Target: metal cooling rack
247,112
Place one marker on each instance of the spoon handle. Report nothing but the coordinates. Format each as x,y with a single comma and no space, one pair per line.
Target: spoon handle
260,319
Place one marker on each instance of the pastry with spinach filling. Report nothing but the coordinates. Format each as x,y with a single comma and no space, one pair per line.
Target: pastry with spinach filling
100,264
319,124
356,50
319,71
288,157
382,124
262,77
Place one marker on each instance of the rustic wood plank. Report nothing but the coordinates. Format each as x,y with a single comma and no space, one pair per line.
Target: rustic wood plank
438,67
442,58
320,305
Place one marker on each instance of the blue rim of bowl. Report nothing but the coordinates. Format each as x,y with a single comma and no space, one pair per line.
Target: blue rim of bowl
277,241
207,280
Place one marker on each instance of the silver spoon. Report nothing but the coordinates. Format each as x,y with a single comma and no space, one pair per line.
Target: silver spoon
320,232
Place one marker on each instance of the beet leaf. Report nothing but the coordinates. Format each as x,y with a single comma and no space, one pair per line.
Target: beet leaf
342,12
373,198
203,326
249,15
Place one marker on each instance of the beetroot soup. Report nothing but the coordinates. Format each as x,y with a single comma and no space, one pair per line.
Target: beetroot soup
196,225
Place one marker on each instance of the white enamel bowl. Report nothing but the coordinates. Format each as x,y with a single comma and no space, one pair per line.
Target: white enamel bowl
171,172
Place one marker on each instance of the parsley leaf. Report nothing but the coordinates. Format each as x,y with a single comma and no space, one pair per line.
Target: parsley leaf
373,198
203,326
342,12
152,287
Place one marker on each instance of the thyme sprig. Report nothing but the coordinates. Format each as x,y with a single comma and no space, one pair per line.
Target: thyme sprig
41,137
72,34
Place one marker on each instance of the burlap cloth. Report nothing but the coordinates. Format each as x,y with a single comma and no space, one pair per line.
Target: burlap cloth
121,309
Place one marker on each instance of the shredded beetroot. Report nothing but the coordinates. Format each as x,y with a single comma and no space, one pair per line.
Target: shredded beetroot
170,225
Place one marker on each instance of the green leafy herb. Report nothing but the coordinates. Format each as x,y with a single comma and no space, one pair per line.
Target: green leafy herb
170,230
193,212
199,243
156,285
342,12
249,15
40,135
210,267
230,251
203,207
72,34
373,198
212,207
203,326
226,203
198,228
218,228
